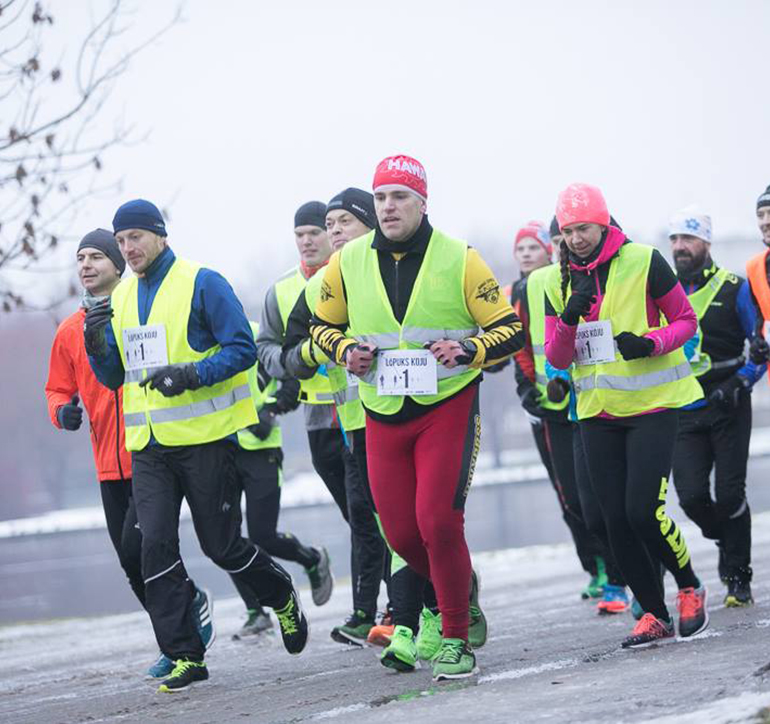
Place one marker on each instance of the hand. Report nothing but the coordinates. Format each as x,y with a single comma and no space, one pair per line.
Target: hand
633,346
557,389
359,358
287,396
266,422
450,353
530,401
727,396
759,351
578,305
70,416
173,380
94,326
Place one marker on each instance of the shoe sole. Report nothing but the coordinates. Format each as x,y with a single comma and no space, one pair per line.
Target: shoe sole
210,614
321,600
731,602
657,642
342,638
608,611
163,689
393,662
451,677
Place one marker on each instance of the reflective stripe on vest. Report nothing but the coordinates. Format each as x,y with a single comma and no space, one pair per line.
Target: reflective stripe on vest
624,388
437,310
194,417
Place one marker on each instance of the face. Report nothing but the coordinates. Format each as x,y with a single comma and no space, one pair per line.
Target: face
530,255
763,221
399,213
342,227
689,252
96,272
582,239
140,248
313,244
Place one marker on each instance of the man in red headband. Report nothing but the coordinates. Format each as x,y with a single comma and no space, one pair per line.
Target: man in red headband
401,308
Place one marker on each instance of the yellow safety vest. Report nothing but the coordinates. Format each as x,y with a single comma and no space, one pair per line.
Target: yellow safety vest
537,282
316,390
196,416
437,310
626,388
247,439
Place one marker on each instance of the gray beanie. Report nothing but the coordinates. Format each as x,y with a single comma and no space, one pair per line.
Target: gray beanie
104,241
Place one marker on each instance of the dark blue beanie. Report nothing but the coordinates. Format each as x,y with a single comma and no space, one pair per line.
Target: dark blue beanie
313,213
139,214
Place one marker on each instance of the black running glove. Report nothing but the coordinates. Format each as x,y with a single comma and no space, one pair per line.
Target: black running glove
633,346
557,389
287,396
530,401
70,416
94,326
727,396
173,380
578,305
266,422
759,351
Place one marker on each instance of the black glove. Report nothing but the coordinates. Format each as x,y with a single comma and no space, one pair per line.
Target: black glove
266,422
633,346
578,306
287,396
759,350
94,326
557,389
498,366
727,395
70,416
530,401
173,380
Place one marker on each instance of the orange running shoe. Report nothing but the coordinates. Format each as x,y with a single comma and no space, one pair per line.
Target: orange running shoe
380,635
614,600
649,630
693,615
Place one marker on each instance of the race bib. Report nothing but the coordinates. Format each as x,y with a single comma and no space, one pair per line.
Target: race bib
145,347
407,372
594,343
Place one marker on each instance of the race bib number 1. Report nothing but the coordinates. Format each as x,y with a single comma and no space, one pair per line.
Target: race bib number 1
407,372
145,347
594,343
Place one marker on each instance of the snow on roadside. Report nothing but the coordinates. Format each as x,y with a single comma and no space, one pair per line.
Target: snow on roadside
740,709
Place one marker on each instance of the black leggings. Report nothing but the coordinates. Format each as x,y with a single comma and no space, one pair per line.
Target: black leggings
630,459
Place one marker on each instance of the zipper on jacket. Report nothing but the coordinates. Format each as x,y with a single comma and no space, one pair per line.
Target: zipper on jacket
117,435
398,296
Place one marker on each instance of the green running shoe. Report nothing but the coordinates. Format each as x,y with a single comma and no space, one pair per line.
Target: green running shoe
595,587
321,579
454,660
354,631
477,624
429,635
185,673
401,653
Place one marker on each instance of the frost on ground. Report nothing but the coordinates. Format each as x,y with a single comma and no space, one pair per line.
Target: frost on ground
549,658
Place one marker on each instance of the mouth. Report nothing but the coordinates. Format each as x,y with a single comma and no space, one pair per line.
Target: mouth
390,219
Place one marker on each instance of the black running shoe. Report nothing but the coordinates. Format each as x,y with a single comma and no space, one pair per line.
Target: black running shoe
738,592
185,673
294,626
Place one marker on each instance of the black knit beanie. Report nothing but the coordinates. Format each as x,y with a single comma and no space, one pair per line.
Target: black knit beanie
764,199
104,241
357,202
313,213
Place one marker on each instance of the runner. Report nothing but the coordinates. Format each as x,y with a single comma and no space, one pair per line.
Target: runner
182,365
758,273
258,463
627,398
411,299
714,433
71,380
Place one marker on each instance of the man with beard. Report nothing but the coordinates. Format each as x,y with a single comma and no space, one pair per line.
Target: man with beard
714,432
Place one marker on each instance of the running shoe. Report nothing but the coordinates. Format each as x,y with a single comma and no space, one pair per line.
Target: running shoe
738,592
161,668
185,673
614,600
454,660
355,630
636,609
693,614
401,653
293,624
429,635
203,607
321,579
477,623
380,635
649,630
595,587
257,622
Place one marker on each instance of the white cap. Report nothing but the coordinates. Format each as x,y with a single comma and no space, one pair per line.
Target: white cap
691,221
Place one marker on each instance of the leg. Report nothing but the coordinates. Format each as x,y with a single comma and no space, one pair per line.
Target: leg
326,447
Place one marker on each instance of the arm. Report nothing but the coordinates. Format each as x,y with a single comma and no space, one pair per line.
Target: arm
747,314
61,384
559,338
270,338
300,357
108,368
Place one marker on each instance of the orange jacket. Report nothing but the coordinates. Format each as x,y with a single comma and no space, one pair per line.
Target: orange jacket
756,271
68,373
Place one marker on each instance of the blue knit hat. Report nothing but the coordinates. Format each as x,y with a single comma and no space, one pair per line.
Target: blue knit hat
139,214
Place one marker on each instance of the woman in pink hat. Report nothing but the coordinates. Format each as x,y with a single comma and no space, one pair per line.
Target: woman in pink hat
619,317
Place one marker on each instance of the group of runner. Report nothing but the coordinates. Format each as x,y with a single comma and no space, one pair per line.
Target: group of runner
382,332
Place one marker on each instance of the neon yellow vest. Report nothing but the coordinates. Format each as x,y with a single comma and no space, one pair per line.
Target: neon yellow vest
625,388
436,310
196,416
701,300
247,439
537,282
316,390
345,390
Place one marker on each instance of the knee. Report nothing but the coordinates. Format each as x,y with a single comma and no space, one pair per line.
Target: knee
440,530
731,505
693,503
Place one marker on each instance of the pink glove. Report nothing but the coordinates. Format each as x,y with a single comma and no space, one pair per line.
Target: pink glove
359,358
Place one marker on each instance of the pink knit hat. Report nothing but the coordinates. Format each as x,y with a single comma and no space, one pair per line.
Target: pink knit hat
582,204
